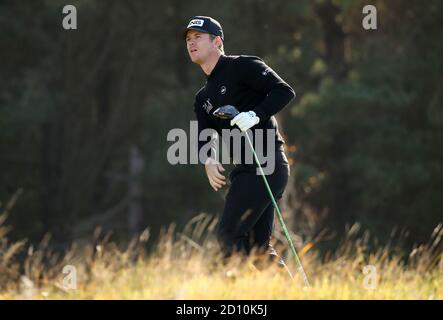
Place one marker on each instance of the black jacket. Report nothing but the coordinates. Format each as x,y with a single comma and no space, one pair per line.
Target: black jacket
247,83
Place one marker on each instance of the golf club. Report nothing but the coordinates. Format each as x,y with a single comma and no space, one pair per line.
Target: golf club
228,112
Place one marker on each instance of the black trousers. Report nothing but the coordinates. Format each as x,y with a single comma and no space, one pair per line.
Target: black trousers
248,216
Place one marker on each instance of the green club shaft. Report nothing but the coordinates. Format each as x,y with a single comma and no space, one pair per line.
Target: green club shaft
280,217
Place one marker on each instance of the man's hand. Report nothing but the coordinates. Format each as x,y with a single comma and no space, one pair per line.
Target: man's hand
245,120
213,169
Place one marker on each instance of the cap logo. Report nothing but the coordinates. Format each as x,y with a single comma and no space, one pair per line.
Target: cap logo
196,22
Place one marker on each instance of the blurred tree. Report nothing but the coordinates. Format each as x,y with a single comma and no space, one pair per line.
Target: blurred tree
368,148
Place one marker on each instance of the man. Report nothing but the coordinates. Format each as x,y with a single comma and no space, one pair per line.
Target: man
247,83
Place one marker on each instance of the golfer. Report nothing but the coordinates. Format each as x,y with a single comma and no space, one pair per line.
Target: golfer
247,83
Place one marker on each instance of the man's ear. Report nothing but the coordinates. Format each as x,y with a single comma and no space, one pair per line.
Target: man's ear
217,41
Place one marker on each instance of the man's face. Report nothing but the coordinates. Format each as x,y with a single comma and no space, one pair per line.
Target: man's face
199,46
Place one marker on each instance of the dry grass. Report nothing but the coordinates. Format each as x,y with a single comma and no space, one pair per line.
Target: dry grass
185,265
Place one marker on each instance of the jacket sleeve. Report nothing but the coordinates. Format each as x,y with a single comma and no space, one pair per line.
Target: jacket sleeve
254,73
203,122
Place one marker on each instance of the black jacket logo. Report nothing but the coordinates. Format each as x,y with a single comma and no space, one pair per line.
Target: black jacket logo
207,106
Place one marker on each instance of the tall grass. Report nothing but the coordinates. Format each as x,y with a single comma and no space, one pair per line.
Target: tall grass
186,264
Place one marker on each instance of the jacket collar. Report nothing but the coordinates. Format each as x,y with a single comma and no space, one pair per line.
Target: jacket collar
219,65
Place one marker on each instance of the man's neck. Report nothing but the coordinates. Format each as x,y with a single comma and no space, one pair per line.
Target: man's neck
210,64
